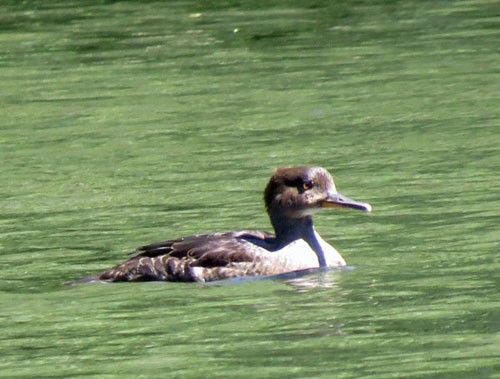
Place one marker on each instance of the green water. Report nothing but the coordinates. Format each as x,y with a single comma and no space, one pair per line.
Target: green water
125,123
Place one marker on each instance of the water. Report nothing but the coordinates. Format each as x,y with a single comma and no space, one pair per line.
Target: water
125,123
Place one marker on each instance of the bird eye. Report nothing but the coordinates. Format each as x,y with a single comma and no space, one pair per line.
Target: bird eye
307,185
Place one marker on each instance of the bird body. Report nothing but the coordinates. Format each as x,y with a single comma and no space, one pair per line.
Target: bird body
292,196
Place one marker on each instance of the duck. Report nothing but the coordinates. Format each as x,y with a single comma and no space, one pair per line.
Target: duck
292,197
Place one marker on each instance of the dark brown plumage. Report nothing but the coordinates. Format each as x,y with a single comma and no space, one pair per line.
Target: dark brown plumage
217,256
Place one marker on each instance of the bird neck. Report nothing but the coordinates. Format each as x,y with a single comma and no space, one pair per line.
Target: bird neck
289,229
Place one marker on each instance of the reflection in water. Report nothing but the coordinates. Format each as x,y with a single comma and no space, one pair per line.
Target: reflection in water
303,280
321,279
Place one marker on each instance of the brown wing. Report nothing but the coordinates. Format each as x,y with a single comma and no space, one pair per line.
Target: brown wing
197,245
195,258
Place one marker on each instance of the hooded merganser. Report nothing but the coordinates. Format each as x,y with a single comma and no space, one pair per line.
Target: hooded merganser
292,196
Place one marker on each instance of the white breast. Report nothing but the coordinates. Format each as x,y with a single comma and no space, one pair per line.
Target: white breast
298,255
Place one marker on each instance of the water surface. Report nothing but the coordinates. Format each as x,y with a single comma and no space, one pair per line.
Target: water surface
126,123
